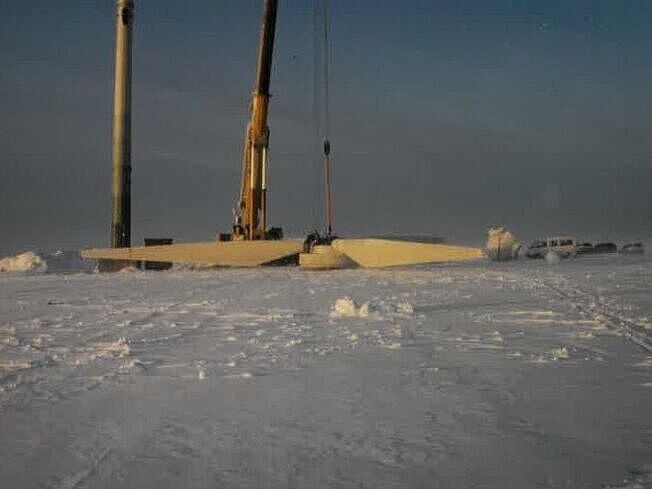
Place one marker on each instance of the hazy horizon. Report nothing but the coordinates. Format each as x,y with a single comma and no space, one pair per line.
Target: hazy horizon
446,118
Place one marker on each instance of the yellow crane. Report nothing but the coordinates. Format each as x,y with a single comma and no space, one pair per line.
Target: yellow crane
251,210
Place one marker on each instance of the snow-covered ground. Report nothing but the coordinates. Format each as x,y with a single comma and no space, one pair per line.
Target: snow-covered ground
492,375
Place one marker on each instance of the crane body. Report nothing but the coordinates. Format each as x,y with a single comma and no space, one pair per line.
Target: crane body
251,209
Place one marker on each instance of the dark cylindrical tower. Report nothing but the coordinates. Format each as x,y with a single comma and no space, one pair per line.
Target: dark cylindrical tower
121,149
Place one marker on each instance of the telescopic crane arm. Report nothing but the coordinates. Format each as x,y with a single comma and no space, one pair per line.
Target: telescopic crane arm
251,212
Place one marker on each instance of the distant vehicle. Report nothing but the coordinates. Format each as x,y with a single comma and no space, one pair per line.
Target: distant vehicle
605,248
584,248
564,246
632,248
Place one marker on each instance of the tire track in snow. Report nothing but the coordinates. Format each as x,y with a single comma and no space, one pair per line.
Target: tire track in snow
74,480
592,305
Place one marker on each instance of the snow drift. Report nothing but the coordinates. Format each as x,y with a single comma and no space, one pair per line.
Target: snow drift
24,262
376,308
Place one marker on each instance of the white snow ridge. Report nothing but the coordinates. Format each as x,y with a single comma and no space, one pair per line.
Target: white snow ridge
346,307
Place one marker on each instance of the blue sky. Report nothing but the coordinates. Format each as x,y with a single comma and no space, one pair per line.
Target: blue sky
446,117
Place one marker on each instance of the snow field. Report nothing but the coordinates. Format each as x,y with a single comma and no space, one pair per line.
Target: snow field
503,375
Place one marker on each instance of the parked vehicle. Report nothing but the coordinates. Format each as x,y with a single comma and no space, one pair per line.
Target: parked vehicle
564,246
635,248
606,247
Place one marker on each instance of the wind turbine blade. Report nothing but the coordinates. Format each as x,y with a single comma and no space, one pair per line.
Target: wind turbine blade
226,253
377,253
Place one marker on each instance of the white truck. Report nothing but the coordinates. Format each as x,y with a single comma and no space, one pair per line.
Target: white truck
564,246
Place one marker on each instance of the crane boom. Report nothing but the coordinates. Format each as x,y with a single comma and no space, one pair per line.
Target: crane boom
251,212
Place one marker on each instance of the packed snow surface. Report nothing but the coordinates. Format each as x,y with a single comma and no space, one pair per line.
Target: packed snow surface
494,375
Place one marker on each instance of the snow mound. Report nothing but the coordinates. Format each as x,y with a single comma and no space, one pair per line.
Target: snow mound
24,262
560,353
496,337
347,307
501,244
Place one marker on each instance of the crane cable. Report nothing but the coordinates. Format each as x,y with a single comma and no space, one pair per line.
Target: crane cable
327,143
315,158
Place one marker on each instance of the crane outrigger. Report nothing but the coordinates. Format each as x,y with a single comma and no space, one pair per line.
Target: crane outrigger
251,243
